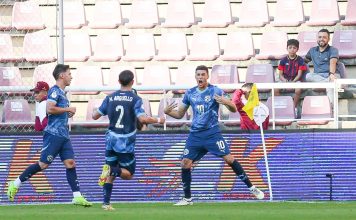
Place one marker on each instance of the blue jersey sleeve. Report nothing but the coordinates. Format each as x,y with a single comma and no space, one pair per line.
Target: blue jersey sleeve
53,95
103,109
334,53
185,100
138,108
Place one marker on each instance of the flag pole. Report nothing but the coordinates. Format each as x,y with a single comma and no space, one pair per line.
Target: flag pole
266,163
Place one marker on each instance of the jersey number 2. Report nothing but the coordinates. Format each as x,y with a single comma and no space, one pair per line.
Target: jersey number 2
119,109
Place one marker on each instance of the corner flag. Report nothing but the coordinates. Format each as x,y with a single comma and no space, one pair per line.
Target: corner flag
252,102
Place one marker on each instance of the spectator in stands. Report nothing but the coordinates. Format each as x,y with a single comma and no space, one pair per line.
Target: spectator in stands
324,58
240,98
290,69
40,93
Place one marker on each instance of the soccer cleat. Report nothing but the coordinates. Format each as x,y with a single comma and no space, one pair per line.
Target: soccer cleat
108,207
257,193
184,201
80,200
11,191
104,175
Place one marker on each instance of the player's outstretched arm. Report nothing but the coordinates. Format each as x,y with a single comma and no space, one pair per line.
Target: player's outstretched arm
177,114
54,110
96,115
144,119
225,101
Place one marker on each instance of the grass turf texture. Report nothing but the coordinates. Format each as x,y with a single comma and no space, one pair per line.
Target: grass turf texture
201,211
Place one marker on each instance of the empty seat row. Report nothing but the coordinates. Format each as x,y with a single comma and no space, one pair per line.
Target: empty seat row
315,110
144,14
172,47
154,76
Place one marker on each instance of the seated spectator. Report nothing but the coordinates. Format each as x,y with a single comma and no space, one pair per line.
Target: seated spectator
291,68
240,98
324,58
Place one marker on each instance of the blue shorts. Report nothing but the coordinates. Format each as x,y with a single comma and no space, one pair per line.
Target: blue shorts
54,145
202,142
125,160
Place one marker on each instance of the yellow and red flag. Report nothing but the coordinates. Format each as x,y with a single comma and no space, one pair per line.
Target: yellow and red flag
252,102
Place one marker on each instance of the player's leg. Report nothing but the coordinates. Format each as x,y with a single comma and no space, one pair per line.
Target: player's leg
48,153
111,160
218,146
67,156
193,151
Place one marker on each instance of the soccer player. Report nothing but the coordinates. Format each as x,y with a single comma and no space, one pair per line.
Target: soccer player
56,138
123,108
205,135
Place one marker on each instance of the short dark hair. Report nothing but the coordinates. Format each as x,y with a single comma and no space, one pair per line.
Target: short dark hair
293,42
126,77
247,85
60,68
202,67
325,31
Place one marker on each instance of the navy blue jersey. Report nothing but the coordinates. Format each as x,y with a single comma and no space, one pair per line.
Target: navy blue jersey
123,108
58,123
205,108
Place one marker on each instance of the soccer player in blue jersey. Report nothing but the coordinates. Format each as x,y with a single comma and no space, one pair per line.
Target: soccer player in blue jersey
123,108
56,138
205,135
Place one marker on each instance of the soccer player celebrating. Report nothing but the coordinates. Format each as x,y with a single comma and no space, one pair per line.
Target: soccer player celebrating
205,135
56,138
123,108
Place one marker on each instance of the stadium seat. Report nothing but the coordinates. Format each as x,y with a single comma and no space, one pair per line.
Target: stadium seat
87,76
185,76
345,42
37,47
172,47
10,76
238,46
315,107
4,26
324,12
284,109
77,47
341,69
216,14
27,15
180,14
224,74
235,119
73,15
156,76
170,121
273,45
289,13
260,73
44,72
350,18
147,107
7,53
108,47
113,78
254,13
16,110
144,14
94,104
107,15
307,40
141,47
205,46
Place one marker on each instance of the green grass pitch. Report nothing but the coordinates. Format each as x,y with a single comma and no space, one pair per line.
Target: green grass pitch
199,211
